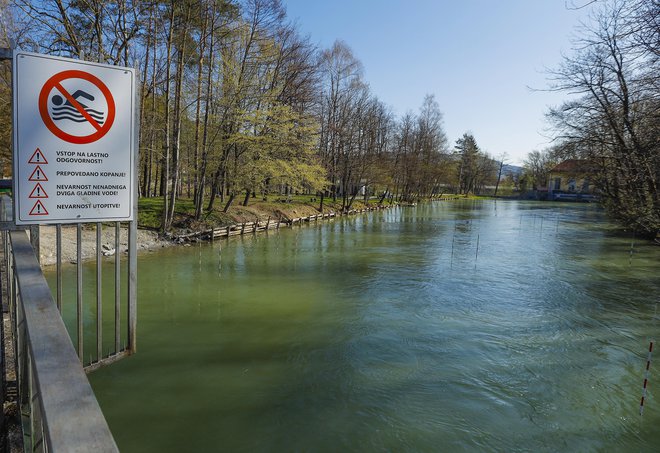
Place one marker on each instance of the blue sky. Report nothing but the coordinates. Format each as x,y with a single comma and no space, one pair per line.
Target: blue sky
478,57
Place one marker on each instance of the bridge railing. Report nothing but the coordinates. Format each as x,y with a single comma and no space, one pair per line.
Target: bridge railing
58,408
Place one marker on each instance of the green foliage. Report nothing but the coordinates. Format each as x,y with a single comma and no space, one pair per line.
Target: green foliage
475,168
275,147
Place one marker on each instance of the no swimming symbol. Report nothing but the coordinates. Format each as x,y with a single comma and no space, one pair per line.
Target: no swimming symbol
70,106
64,110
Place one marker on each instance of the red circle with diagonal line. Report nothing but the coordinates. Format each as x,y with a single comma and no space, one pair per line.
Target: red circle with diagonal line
54,82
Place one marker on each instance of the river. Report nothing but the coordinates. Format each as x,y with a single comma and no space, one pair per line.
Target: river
450,326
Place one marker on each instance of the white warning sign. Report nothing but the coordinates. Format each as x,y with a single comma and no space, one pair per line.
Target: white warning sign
74,130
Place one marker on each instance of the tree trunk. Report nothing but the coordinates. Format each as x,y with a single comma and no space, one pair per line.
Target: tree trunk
499,175
198,107
380,201
165,177
232,195
201,179
176,140
215,185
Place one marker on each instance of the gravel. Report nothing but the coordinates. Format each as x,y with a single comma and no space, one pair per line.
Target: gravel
146,240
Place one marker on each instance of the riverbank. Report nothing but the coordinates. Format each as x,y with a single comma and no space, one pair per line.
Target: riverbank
146,240
149,215
258,216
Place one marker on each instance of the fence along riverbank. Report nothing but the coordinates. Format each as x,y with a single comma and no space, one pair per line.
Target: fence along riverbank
275,224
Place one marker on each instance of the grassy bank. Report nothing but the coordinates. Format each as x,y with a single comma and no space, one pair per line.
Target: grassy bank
150,211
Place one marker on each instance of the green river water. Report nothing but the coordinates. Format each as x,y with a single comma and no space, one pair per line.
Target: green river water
392,331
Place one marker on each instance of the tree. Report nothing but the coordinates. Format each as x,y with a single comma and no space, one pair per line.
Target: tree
614,119
418,155
6,28
432,143
466,147
499,172
342,82
537,167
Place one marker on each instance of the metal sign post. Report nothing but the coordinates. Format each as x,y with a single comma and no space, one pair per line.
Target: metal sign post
74,153
75,136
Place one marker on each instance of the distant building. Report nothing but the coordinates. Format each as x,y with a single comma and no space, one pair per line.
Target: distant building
572,180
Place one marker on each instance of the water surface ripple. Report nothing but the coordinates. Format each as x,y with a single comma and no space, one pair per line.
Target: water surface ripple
392,331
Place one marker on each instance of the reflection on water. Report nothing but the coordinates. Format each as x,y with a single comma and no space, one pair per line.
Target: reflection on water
392,331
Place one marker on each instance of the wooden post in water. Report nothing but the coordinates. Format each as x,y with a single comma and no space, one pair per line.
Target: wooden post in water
453,238
632,247
646,378
476,256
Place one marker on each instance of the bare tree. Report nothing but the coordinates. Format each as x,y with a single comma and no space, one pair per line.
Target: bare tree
613,121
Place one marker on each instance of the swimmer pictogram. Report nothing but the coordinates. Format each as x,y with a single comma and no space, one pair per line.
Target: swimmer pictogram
67,106
64,110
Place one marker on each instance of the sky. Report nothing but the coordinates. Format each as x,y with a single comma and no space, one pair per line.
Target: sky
484,60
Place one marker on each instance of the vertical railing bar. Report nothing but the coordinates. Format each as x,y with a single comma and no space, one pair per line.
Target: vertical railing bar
79,297
4,368
18,359
117,288
99,295
7,268
35,241
11,283
132,284
34,405
26,395
132,230
12,300
58,253
13,313
41,443
23,362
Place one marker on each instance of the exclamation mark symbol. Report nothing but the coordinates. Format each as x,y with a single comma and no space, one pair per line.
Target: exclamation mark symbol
38,192
38,175
37,157
38,209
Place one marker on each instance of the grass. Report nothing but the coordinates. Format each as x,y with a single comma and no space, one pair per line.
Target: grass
150,211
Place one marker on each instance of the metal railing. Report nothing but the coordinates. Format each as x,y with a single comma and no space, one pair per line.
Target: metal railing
123,339
59,412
